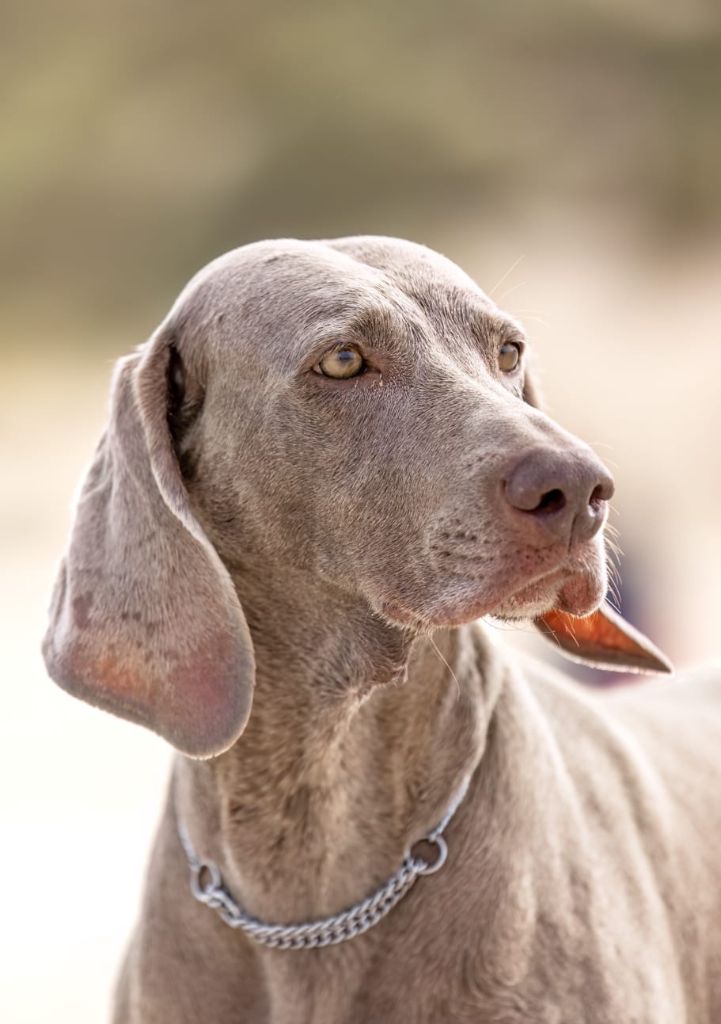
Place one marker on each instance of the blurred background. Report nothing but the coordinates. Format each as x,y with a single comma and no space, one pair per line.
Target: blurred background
566,154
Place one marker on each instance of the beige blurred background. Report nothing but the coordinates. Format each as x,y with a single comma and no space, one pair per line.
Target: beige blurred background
567,154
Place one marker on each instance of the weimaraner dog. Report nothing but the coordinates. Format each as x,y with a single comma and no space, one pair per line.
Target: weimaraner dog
324,467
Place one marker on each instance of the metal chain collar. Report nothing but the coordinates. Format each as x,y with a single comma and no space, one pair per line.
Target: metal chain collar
206,885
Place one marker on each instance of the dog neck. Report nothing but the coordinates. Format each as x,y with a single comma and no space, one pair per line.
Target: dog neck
360,735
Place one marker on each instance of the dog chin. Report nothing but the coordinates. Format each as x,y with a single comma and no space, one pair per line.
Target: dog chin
457,609
579,594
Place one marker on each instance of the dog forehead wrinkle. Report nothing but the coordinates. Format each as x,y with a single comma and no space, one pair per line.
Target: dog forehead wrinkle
468,304
374,259
272,339
305,276
298,298
432,284
308,266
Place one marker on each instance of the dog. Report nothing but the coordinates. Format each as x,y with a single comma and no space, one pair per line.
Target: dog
320,472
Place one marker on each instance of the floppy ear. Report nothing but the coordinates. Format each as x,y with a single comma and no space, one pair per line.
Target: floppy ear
145,621
603,639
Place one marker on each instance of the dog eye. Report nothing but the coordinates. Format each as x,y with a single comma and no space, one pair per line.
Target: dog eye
509,356
342,361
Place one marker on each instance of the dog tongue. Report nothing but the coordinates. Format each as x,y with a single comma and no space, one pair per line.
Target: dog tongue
603,639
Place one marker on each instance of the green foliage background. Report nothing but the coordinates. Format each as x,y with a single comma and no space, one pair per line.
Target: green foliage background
142,139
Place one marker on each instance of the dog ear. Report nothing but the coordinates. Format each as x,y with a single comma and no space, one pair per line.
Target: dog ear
603,639
145,621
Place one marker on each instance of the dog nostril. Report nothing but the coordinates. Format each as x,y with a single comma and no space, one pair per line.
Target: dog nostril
603,491
555,488
598,496
551,501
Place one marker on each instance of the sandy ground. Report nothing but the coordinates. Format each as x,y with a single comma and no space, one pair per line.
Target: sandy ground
631,362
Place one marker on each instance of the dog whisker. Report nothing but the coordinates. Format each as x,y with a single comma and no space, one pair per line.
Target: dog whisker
504,277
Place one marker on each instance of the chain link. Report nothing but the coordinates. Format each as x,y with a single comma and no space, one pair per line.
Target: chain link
206,885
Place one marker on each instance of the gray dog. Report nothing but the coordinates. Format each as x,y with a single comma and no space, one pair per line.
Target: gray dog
325,465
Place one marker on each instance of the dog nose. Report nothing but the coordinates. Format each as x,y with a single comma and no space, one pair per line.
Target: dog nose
563,493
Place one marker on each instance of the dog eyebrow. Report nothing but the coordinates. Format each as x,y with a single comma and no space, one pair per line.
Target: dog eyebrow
381,325
376,322
489,327
476,314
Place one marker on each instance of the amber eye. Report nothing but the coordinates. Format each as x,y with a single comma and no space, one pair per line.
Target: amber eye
342,361
509,356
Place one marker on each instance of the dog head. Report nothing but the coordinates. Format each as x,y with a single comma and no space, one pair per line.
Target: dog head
357,409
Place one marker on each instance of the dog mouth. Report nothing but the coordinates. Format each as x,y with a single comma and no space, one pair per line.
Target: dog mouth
576,586
566,589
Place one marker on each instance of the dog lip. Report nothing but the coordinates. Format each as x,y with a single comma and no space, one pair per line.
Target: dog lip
568,583
563,585
460,611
